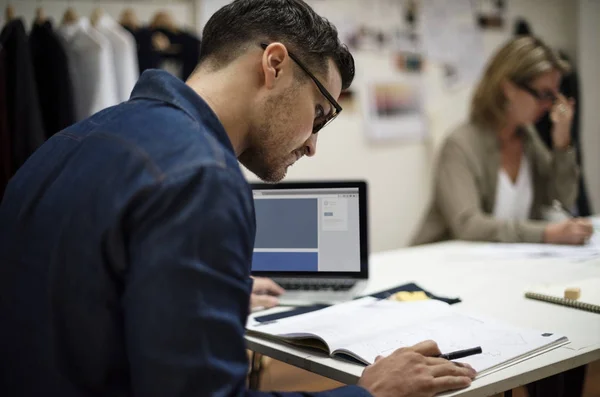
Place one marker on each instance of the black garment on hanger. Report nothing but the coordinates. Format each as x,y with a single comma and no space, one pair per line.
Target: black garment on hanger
184,51
148,56
24,116
189,52
52,76
5,146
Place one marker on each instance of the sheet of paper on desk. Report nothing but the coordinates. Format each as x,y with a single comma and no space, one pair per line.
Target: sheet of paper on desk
595,240
522,250
366,328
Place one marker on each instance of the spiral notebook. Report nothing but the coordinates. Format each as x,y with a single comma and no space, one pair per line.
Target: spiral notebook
554,293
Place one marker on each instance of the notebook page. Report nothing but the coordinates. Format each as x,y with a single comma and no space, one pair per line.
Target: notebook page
500,342
363,319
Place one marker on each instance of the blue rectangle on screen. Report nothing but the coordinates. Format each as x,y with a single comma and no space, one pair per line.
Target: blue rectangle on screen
287,223
285,261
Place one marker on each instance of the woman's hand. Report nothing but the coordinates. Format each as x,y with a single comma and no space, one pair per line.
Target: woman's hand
561,115
571,231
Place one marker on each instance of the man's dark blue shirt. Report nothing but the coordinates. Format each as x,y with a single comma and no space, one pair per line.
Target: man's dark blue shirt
125,250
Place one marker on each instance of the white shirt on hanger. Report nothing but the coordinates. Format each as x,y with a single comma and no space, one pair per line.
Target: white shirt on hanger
91,67
124,54
513,200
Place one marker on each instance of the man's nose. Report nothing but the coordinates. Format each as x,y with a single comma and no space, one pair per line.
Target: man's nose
311,145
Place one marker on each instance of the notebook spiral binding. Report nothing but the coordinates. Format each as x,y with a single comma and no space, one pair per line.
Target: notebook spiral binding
565,302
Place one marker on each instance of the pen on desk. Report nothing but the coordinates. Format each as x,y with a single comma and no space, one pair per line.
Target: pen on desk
461,353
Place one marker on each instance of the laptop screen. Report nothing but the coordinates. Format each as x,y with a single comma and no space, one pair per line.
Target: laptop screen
307,230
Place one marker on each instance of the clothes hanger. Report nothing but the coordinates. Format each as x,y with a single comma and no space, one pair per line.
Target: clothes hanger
70,16
40,16
10,13
96,15
160,42
129,19
164,20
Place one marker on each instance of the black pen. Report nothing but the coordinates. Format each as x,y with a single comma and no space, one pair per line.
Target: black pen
461,353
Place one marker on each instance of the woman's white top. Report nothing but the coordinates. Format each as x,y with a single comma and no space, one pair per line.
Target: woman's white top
513,200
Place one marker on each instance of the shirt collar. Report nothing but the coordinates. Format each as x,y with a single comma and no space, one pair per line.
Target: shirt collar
71,29
162,86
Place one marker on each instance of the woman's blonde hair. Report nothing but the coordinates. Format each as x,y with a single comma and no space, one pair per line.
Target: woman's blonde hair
521,60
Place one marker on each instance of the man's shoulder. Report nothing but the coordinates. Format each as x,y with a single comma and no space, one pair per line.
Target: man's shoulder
164,137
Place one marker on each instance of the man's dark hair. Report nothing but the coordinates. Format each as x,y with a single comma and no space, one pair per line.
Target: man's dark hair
245,23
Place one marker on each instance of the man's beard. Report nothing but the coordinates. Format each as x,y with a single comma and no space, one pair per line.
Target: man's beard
262,157
257,161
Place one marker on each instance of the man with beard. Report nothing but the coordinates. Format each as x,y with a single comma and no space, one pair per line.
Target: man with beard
126,239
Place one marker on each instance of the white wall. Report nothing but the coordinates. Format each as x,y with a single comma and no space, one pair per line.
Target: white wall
589,67
399,174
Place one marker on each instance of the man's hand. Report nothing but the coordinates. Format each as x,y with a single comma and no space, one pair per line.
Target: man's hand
415,372
264,293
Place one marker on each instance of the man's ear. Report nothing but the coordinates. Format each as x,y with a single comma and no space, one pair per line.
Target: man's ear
275,63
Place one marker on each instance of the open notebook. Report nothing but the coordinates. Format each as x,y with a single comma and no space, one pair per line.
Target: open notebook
363,329
554,293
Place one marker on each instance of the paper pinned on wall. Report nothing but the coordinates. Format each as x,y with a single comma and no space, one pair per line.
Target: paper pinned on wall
372,26
394,111
451,37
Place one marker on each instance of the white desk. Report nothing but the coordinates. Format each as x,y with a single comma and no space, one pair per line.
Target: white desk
493,287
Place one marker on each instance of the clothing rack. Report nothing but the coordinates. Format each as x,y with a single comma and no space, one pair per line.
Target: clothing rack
4,3
184,12
56,85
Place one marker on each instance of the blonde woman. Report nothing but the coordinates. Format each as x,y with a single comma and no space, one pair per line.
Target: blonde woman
494,176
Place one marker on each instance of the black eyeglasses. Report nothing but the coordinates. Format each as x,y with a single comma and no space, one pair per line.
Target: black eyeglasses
336,108
546,96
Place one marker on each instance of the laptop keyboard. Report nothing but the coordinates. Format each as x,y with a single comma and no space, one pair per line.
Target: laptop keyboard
295,284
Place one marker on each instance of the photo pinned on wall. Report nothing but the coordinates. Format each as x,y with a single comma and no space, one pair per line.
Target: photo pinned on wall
394,111
409,56
409,62
491,14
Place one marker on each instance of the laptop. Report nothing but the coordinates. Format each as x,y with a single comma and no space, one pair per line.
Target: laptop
311,238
